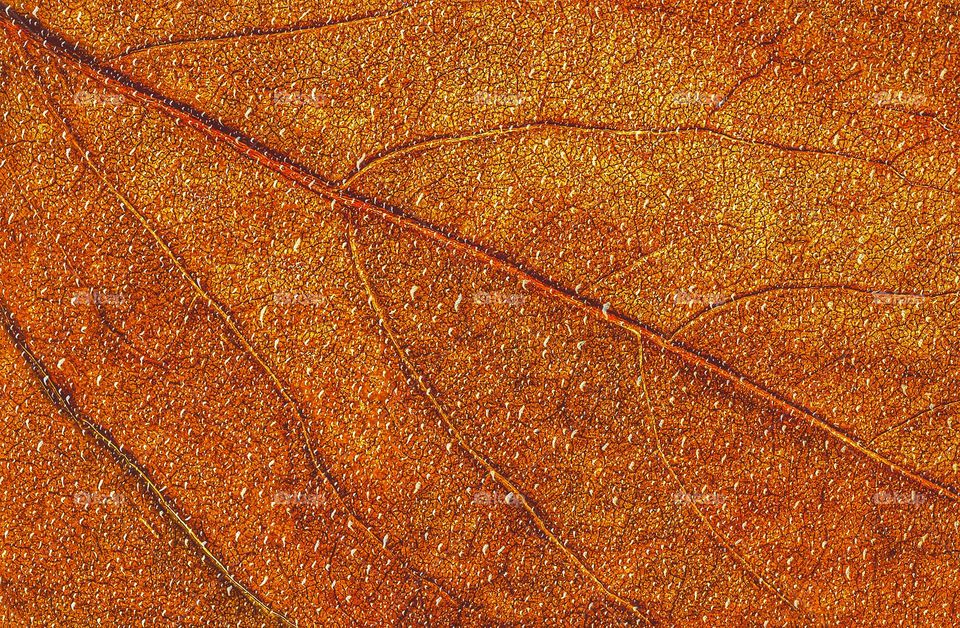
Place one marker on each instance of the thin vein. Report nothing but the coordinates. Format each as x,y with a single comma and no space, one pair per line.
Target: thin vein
431,143
265,33
758,578
477,456
740,298
910,419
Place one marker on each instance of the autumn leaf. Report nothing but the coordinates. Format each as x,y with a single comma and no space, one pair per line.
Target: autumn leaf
479,313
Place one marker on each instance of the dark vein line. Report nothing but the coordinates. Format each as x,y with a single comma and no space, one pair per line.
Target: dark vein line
124,338
743,81
61,398
257,32
633,263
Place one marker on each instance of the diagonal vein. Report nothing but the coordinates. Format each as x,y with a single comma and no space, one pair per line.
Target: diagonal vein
913,417
758,578
424,388
60,398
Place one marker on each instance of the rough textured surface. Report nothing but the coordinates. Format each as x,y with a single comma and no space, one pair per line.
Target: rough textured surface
479,313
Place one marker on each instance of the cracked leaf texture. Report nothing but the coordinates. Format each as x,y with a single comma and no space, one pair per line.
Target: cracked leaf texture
479,313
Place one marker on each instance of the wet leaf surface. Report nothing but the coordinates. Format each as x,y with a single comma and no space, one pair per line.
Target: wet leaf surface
479,313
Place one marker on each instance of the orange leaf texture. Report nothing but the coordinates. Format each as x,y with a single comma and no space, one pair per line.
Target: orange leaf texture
479,313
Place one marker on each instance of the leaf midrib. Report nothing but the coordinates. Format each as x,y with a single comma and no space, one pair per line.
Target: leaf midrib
304,176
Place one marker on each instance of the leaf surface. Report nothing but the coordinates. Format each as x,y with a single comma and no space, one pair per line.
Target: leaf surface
479,313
